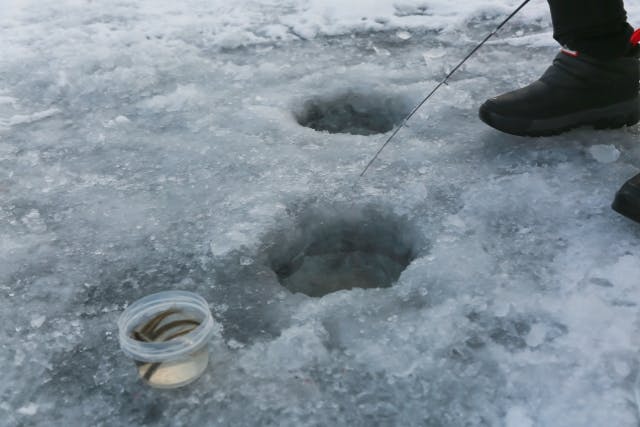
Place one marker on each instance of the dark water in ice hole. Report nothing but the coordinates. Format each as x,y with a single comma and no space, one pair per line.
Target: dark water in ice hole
340,250
322,274
353,113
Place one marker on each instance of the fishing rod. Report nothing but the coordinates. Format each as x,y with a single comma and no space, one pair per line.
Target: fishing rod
441,83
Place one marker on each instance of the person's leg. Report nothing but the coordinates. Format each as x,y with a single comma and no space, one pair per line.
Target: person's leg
593,82
597,28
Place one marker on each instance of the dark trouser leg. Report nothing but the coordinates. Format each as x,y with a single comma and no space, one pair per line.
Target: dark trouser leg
597,28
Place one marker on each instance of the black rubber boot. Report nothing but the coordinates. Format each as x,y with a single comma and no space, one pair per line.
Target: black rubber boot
627,201
576,90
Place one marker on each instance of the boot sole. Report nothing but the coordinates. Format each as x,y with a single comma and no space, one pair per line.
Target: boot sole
611,117
627,202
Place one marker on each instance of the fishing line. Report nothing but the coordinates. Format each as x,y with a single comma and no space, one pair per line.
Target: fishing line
441,83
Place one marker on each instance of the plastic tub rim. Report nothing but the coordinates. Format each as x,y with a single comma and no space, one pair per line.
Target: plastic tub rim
175,349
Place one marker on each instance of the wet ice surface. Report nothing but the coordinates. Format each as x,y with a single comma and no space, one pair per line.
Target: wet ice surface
139,154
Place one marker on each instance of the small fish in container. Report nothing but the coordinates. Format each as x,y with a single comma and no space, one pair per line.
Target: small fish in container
167,335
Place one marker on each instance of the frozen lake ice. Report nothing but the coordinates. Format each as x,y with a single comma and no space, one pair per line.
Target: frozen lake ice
149,145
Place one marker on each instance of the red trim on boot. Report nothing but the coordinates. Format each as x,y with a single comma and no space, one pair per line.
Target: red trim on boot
635,37
570,52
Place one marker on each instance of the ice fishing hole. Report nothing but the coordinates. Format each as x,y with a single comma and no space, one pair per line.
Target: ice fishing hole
339,249
353,112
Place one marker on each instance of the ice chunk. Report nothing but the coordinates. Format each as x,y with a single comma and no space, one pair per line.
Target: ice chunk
20,119
8,100
30,409
37,321
622,368
182,97
518,417
245,260
536,335
604,153
34,222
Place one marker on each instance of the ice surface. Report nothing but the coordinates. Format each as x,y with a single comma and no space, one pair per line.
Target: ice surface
153,145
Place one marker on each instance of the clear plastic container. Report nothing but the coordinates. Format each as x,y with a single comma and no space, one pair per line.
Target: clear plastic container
167,335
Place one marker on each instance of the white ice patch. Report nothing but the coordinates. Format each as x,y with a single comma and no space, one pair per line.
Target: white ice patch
235,238
30,409
37,321
623,274
8,100
536,335
308,342
403,35
184,96
21,119
121,120
518,417
34,222
604,153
